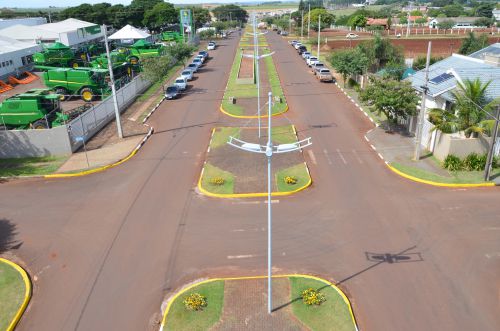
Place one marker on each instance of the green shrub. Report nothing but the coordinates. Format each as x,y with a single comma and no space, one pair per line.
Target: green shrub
195,301
218,181
312,297
452,163
291,180
474,162
496,162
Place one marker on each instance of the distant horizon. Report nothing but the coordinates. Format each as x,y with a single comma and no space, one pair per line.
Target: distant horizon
41,4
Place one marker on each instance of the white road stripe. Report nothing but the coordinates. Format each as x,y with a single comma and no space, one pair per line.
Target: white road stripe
357,156
341,156
253,202
327,156
380,156
311,155
231,257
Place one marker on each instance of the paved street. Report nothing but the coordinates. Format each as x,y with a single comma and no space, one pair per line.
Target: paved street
103,250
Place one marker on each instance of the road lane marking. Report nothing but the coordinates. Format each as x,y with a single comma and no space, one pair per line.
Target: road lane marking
254,202
491,228
489,256
357,156
341,156
231,257
380,156
311,156
327,156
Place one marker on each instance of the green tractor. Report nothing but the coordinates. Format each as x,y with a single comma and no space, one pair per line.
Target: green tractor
119,57
142,48
56,55
171,36
88,83
36,109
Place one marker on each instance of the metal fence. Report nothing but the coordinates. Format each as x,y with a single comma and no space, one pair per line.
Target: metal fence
89,123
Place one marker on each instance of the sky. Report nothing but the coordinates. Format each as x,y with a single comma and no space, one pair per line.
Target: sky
70,3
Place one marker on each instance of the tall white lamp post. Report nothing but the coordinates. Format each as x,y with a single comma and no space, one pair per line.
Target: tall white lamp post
269,150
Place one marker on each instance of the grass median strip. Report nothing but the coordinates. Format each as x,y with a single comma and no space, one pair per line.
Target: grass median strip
458,177
290,179
12,292
216,180
333,314
179,318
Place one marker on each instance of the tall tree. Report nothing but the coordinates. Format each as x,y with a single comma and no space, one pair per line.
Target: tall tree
326,18
230,12
161,14
201,16
349,62
393,98
473,43
137,8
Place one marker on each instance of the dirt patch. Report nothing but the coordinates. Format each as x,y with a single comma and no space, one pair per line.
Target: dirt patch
246,66
413,47
245,306
250,169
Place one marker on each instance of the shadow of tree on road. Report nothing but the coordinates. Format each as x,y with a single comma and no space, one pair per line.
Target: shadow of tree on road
7,236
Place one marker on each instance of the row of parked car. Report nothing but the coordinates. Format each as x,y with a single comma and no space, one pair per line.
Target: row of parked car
318,68
181,83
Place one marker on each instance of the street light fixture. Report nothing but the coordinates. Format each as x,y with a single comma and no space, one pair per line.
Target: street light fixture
256,58
269,150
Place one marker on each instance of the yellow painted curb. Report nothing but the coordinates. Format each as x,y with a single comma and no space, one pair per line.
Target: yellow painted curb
27,293
184,290
429,182
251,116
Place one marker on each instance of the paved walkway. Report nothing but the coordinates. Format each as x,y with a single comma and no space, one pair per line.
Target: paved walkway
108,154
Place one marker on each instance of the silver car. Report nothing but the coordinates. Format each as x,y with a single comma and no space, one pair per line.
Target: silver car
188,74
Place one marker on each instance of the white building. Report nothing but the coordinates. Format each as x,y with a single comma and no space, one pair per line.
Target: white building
71,32
496,14
15,56
29,21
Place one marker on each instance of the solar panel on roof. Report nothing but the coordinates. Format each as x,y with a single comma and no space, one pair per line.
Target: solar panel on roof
441,78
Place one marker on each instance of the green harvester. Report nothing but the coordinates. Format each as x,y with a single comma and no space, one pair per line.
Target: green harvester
56,55
36,108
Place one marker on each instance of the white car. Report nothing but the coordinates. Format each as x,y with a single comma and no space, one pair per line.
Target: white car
305,54
211,46
351,35
188,74
297,45
181,83
201,57
193,67
198,62
312,60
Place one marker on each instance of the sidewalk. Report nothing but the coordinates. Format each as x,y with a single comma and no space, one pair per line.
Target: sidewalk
397,149
105,155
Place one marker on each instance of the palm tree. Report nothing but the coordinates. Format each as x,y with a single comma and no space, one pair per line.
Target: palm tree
468,110
471,104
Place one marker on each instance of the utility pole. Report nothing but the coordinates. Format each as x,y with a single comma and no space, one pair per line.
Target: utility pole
112,82
408,25
489,162
319,33
302,26
289,25
421,114
309,22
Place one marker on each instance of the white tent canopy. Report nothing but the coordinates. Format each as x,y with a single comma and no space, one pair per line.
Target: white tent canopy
129,32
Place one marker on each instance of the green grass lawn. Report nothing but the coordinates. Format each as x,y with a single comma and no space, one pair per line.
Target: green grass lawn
181,319
458,177
351,10
12,290
210,172
250,90
30,166
333,314
298,171
221,136
283,135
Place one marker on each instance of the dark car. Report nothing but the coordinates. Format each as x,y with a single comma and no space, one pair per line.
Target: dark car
302,49
172,92
204,53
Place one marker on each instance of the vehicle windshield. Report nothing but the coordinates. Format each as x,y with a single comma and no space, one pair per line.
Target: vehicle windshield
180,81
325,71
186,73
319,65
171,89
192,65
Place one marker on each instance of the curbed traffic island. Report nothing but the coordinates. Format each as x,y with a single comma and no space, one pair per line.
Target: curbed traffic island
240,303
232,173
15,293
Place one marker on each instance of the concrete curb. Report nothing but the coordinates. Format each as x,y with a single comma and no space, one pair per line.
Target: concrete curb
182,291
27,293
249,195
251,116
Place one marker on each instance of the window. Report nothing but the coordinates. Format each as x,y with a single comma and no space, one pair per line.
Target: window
10,62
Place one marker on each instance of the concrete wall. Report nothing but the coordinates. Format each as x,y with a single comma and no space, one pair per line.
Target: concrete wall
30,143
448,144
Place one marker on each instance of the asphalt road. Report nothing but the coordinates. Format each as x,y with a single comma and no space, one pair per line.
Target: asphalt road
105,249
